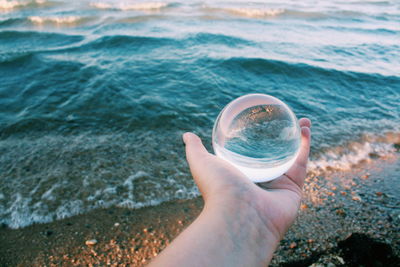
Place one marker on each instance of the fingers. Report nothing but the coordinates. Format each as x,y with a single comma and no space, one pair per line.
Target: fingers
302,158
305,122
196,156
194,146
298,171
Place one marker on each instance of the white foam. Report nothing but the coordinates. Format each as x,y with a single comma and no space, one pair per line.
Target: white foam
69,208
55,20
150,6
101,5
344,159
48,195
9,5
249,12
19,212
255,12
129,181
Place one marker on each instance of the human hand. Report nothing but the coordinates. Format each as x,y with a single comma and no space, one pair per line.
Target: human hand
221,184
241,223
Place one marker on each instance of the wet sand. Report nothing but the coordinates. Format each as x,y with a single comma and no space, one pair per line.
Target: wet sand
336,207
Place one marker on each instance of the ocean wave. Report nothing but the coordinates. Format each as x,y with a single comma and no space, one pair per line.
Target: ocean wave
131,43
262,12
245,12
255,12
151,42
10,5
345,157
11,21
18,36
55,177
293,69
7,59
150,6
298,69
17,45
57,20
61,176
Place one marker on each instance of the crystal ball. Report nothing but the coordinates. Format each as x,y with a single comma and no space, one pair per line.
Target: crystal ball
259,135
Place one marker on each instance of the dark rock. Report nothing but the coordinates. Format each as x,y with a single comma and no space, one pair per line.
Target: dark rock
397,146
48,232
373,155
359,249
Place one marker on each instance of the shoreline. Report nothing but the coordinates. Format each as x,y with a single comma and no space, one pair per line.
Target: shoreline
336,207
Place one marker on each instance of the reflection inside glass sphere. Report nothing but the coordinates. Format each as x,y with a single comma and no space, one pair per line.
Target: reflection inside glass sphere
259,135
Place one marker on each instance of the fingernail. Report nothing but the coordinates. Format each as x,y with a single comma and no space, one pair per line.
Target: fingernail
185,137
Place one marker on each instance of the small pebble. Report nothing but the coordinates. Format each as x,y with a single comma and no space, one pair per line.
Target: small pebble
91,242
365,176
340,259
340,212
116,224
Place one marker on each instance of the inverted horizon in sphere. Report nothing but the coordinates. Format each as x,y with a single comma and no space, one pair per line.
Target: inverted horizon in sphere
259,135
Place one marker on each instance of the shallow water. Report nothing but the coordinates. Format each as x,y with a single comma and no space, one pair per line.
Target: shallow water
94,95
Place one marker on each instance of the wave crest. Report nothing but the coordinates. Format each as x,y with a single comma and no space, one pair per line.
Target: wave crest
67,20
10,5
344,158
151,6
255,12
246,12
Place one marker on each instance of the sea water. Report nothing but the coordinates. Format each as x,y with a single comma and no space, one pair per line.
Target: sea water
259,135
96,94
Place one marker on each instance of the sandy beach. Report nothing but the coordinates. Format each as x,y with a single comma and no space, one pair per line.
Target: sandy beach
96,95
346,219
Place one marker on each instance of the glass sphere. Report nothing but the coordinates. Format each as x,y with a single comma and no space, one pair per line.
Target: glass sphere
259,135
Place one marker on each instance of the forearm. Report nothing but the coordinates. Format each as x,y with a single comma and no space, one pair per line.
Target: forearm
223,235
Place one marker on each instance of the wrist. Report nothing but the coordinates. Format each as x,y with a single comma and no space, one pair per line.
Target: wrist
245,228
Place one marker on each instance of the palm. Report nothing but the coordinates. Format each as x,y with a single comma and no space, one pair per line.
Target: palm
276,201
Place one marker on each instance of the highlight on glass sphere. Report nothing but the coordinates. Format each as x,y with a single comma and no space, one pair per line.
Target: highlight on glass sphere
259,135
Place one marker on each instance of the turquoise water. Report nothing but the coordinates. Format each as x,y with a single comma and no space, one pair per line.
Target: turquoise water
94,95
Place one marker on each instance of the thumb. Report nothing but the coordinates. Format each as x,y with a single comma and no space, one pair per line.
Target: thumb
196,156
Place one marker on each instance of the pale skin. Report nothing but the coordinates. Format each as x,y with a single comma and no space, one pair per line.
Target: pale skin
241,223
